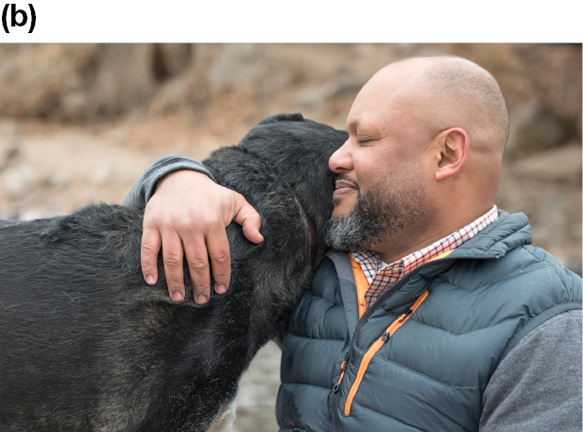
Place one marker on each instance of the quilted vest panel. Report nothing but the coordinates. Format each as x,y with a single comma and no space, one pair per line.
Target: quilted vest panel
431,373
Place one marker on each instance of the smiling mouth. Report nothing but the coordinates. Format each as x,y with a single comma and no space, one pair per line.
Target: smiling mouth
345,186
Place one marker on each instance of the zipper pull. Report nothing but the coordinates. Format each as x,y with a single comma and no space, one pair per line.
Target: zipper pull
346,359
342,370
405,316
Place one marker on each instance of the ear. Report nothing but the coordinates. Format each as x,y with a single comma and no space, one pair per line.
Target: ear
454,145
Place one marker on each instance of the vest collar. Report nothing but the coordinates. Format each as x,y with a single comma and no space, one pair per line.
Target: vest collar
497,239
494,241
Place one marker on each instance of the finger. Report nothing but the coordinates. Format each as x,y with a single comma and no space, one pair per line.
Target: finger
149,253
172,256
198,266
249,219
219,253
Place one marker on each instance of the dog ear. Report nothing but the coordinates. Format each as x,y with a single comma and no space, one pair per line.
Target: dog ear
295,117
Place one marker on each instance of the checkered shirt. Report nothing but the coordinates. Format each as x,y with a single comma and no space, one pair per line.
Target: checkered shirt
382,276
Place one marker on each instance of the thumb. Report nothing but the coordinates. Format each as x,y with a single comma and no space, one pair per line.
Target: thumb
248,218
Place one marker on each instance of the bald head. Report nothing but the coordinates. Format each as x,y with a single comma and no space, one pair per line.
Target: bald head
425,142
446,91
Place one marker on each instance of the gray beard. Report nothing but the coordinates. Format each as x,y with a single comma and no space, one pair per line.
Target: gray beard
375,217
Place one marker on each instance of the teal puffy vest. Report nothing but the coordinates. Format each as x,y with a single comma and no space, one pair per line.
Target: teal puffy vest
431,373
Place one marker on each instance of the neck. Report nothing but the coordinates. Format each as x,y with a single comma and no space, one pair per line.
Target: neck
393,248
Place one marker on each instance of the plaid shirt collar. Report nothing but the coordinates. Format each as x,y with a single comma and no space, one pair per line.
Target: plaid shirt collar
382,276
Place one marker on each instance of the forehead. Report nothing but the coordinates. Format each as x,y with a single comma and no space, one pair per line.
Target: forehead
381,106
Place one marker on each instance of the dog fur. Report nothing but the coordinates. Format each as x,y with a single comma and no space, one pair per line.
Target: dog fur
87,345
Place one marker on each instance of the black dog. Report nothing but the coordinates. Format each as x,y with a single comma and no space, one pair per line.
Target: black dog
87,345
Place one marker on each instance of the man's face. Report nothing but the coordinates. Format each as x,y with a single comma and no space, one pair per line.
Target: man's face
381,189
389,205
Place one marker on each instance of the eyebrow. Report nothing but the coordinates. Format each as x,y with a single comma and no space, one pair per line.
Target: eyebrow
353,124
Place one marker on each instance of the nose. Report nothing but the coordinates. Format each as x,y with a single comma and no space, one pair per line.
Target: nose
341,159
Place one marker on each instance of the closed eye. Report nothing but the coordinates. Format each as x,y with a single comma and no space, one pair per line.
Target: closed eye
363,139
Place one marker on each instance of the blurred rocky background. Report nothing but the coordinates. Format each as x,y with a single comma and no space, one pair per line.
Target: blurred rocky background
80,122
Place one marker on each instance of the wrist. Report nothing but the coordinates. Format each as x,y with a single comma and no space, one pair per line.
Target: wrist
181,176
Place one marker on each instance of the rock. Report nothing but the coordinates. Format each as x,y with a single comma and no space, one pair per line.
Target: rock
20,181
170,59
573,263
60,180
317,94
9,144
172,95
534,127
102,174
74,105
8,154
124,78
563,164
555,71
238,64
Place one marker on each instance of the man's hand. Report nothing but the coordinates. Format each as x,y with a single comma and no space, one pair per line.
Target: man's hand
187,215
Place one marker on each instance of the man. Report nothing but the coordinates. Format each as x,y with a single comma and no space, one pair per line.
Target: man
442,317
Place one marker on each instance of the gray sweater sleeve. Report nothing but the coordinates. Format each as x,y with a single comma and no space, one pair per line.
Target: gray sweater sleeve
143,189
537,387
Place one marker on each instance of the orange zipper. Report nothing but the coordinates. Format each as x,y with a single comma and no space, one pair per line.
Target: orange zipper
373,350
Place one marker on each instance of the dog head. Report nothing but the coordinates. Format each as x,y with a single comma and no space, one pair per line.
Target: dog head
298,150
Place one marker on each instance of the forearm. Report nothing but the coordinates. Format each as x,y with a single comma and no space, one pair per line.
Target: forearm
144,187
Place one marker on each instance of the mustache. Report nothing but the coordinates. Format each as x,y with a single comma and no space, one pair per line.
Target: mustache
345,177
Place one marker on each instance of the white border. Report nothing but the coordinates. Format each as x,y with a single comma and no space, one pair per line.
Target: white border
302,21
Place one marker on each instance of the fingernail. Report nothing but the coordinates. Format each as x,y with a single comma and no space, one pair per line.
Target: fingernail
150,279
177,296
220,289
201,299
